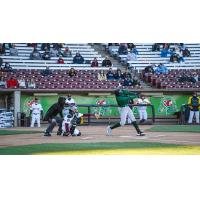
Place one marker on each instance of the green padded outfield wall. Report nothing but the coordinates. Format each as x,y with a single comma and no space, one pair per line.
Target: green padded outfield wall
165,105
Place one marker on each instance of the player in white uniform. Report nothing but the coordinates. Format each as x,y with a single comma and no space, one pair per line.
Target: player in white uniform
143,109
36,110
71,119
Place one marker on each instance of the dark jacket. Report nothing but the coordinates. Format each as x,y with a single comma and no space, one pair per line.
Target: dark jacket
106,63
55,109
78,60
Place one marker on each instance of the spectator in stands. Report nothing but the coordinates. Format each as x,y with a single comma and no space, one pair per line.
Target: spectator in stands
67,52
54,52
110,75
2,82
1,61
34,45
194,104
161,69
78,59
7,45
46,55
136,81
22,83
12,83
106,62
156,47
35,55
131,56
94,63
176,55
149,69
118,74
126,74
31,84
164,52
166,45
45,46
134,50
128,82
130,46
2,49
46,72
72,72
185,51
13,51
60,60
122,50
58,47
7,67
194,77
102,76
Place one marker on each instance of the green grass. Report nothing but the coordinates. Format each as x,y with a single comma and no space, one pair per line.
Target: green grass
16,132
175,128
119,148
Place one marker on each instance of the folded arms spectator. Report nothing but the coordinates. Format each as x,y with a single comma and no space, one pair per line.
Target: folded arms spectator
106,62
78,59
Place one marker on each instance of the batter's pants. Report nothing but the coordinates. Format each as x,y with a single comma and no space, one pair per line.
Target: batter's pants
124,113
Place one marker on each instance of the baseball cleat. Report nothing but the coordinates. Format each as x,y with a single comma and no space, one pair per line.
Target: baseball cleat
108,131
140,134
47,134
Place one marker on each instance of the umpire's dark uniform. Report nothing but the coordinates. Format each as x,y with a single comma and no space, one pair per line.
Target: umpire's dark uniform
53,119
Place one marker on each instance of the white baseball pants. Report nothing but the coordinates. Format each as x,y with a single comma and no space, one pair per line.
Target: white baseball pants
124,113
35,118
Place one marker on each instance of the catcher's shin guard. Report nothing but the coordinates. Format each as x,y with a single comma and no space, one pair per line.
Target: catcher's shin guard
72,129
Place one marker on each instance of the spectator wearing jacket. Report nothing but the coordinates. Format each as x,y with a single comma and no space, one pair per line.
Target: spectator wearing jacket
45,46
12,83
22,83
128,82
13,51
35,55
60,60
161,69
1,61
78,59
46,55
94,63
110,75
102,76
2,82
2,49
31,84
149,69
54,52
72,72
46,72
53,118
118,74
194,104
106,62
123,50
7,67
67,52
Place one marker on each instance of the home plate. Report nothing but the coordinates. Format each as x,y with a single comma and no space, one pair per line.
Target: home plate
126,136
86,138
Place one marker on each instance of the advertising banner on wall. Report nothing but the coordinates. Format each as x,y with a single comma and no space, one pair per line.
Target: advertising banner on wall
165,105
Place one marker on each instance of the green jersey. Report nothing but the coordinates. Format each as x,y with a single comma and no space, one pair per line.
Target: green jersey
123,97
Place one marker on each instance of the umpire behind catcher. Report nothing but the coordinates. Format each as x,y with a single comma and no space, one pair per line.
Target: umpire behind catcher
53,119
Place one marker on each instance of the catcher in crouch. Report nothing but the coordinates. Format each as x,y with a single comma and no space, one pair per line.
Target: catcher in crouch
71,119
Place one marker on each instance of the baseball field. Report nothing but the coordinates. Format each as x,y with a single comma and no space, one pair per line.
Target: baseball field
159,140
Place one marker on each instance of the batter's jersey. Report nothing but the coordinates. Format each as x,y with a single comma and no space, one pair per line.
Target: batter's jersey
36,108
